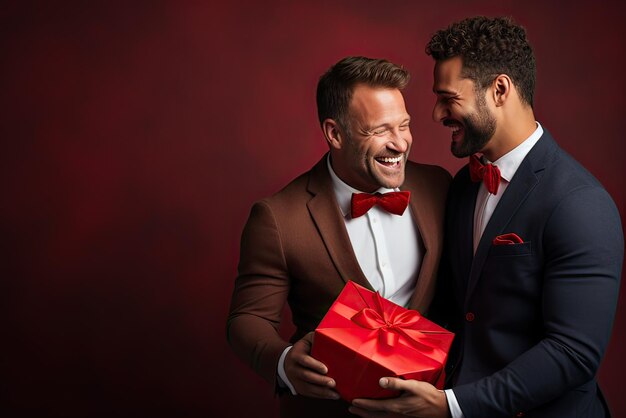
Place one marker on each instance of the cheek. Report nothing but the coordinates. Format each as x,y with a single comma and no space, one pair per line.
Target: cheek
358,154
366,151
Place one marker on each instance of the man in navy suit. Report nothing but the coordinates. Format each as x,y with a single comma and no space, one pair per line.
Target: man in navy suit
534,246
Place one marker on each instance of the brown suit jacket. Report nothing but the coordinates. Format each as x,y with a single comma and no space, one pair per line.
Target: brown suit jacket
295,248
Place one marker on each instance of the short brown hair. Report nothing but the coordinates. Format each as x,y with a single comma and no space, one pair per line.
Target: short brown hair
488,47
335,87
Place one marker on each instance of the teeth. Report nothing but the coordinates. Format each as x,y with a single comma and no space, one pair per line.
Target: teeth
391,160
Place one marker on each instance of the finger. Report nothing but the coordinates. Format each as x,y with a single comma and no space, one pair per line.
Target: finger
301,354
312,364
309,338
314,378
393,383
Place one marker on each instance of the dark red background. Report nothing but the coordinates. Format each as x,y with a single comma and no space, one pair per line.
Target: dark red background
135,137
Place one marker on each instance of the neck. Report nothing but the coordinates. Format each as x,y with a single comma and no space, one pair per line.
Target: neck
510,132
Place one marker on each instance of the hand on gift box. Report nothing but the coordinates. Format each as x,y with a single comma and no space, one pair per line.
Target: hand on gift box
418,399
307,375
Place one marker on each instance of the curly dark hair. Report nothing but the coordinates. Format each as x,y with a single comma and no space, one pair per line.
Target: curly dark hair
335,87
488,47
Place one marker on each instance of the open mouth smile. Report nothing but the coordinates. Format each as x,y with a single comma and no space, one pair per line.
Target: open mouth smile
457,128
390,161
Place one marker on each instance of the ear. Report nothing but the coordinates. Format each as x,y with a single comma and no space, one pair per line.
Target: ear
332,133
502,89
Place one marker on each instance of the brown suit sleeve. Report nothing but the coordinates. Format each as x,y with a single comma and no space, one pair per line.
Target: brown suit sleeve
260,293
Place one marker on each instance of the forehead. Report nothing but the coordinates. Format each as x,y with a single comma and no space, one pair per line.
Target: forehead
376,100
447,76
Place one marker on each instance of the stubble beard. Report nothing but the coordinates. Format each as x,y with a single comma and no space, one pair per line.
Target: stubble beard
385,181
479,128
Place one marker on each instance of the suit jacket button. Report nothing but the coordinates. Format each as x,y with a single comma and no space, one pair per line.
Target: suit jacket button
519,414
469,317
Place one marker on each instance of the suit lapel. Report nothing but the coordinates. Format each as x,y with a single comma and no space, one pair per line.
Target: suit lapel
523,182
331,226
427,228
465,228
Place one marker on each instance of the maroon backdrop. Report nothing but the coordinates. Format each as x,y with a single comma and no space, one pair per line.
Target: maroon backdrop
136,136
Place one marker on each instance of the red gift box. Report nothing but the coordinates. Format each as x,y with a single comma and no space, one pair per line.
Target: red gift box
364,337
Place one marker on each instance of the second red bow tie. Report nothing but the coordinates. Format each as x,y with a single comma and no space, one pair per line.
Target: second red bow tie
488,173
393,202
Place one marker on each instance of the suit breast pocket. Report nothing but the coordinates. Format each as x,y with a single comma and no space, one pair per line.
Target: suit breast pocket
511,271
524,248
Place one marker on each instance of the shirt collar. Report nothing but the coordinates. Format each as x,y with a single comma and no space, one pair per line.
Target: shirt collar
510,162
343,192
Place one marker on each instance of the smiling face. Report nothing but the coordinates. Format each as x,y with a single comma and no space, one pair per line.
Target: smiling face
462,109
373,149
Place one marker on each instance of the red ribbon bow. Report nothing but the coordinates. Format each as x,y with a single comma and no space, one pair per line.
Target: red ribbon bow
390,325
488,173
393,202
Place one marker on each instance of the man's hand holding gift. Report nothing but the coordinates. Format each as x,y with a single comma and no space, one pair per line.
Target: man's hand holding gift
418,399
306,374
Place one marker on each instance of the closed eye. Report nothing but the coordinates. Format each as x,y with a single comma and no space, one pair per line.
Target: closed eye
379,131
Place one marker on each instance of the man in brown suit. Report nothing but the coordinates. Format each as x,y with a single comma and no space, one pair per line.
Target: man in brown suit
304,243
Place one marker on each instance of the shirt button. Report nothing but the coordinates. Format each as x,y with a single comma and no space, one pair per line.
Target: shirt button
374,220
469,317
384,264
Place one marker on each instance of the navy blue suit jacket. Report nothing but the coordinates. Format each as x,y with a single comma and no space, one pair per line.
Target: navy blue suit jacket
533,319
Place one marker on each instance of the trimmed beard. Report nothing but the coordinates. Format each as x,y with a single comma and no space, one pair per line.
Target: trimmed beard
479,128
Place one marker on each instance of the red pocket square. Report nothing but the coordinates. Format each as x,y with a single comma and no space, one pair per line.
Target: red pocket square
505,239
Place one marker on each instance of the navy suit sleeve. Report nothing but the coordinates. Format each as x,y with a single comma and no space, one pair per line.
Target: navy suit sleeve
583,253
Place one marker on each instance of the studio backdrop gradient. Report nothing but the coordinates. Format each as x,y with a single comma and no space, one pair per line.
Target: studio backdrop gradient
137,135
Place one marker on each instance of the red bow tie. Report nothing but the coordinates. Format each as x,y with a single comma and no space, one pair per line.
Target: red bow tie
488,173
393,202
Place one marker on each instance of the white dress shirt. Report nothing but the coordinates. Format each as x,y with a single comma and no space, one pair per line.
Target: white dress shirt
485,205
388,247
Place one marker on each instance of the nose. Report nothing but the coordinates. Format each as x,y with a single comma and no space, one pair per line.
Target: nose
400,141
439,112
